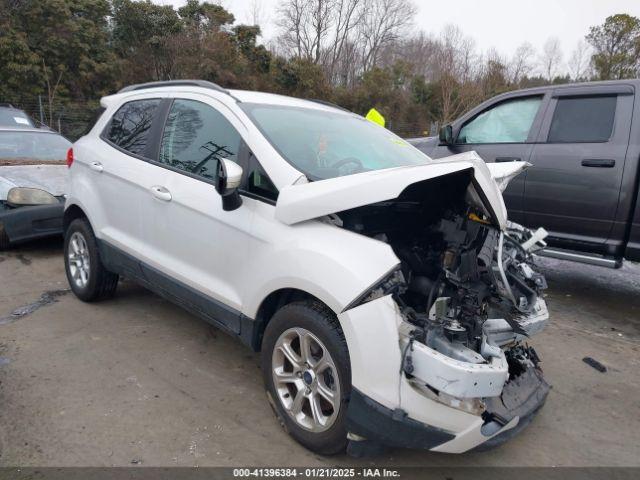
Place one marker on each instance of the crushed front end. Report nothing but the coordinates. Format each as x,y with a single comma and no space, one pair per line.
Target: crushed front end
465,298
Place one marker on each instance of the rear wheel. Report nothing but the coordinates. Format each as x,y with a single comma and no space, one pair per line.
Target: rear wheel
88,278
307,375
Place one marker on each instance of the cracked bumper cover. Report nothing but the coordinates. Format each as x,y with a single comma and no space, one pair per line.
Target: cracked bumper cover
380,412
470,380
506,416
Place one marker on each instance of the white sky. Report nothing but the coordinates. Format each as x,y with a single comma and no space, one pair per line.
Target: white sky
499,24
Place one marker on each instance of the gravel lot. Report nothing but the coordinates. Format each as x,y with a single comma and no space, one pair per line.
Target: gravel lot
136,380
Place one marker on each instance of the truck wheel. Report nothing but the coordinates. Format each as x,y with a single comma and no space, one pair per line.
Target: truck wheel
307,375
88,278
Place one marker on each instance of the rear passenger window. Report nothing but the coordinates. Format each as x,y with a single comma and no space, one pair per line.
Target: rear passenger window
196,137
583,119
130,126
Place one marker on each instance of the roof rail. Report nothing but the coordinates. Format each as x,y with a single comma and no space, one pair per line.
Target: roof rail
6,105
175,83
328,104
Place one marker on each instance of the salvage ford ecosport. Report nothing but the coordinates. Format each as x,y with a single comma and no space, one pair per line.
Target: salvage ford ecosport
388,294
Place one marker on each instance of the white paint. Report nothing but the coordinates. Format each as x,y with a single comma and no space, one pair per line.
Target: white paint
240,257
297,203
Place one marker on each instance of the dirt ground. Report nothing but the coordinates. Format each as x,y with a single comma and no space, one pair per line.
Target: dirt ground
136,380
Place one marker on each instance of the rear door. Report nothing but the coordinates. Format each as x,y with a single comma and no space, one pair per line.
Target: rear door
118,173
502,131
574,185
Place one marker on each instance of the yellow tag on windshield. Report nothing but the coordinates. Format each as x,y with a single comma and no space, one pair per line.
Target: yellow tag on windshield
375,117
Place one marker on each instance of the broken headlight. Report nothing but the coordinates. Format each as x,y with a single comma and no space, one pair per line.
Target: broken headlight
391,283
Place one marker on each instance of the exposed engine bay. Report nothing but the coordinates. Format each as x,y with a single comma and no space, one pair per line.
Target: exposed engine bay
468,291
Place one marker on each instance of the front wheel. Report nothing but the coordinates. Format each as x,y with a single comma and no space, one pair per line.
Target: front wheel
307,375
88,278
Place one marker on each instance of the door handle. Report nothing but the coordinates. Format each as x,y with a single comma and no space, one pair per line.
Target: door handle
161,193
96,166
598,163
507,159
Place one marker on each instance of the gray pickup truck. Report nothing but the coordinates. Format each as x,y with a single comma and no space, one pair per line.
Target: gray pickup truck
583,141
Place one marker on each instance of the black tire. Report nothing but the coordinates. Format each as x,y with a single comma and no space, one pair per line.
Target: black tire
321,322
4,238
101,283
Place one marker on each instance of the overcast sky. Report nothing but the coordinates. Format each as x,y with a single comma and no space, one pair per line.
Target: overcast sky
499,24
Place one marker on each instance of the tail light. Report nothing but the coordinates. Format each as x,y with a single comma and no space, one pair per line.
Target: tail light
69,157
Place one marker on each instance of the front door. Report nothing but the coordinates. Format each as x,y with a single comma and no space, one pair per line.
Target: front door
502,132
573,187
200,247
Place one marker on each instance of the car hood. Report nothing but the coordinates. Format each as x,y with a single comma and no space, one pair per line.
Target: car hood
503,173
51,178
305,201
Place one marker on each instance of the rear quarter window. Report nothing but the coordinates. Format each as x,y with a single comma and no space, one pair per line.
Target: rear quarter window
583,119
130,126
10,117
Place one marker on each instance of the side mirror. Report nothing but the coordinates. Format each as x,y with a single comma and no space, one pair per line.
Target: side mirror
228,178
446,135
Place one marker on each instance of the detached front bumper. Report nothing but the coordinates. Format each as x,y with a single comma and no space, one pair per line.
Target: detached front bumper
28,223
389,408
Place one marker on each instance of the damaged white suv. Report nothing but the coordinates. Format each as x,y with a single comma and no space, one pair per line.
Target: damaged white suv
390,297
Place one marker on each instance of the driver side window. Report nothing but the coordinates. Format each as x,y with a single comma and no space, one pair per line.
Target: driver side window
506,122
196,137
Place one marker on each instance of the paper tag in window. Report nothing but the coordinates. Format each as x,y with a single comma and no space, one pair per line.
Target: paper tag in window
21,120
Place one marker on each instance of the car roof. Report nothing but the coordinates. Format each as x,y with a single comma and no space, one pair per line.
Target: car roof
241,96
561,86
248,96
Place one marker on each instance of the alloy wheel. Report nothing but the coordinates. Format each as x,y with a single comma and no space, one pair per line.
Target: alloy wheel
78,258
306,379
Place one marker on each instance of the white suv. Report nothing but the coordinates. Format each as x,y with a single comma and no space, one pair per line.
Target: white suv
388,293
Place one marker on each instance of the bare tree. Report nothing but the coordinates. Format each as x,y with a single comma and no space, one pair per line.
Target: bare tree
292,18
580,61
421,50
551,58
52,89
456,67
256,14
347,16
522,62
305,25
384,22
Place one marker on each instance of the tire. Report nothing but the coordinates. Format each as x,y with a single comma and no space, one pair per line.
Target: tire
321,429
81,255
4,239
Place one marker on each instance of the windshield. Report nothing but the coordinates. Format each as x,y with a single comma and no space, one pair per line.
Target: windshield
327,144
18,147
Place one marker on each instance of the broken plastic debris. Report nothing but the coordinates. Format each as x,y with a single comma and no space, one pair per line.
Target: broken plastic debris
595,364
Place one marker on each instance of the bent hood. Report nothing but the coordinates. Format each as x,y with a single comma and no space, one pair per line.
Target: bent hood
299,202
503,173
50,178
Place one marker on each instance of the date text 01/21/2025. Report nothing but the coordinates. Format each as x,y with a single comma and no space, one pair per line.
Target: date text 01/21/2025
315,472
